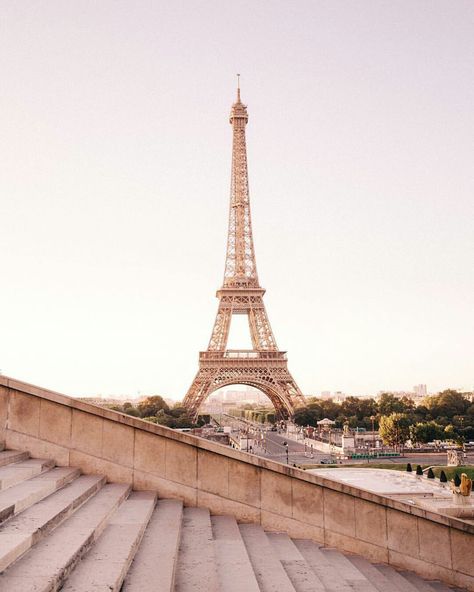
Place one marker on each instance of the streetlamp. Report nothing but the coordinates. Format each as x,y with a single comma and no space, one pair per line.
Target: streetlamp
372,419
285,444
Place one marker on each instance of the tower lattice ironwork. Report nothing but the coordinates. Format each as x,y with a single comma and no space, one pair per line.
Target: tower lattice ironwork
264,366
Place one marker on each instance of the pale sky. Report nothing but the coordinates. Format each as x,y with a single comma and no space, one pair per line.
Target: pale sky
115,153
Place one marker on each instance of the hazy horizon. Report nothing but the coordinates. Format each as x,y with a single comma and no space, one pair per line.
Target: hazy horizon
116,153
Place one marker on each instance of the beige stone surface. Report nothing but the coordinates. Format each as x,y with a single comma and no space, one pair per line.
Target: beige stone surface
339,512
222,506
37,448
402,533
55,423
3,410
213,473
276,493
150,453
118,443
307,503
462,549
181,463
462,580
86,432
354,545
244,483
166,489
434,542
24,413
98,466
424,569
371,522
296,529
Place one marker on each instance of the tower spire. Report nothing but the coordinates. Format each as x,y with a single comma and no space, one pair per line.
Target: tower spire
240,266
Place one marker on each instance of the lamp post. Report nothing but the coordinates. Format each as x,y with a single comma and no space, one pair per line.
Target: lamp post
285,444
372,419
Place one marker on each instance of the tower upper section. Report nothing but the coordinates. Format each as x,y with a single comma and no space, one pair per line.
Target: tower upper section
240,266
238,113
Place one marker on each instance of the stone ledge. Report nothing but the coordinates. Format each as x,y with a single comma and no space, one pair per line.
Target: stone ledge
201,443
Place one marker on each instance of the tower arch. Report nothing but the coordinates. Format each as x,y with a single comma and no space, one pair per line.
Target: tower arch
277,399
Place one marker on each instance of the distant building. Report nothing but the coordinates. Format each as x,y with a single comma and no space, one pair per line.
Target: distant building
234,396
420,390
336,396
339,397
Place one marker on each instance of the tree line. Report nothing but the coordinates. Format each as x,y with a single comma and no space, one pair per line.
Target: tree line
446,416
156,410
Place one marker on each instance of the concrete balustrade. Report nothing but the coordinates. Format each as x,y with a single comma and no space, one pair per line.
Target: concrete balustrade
206,474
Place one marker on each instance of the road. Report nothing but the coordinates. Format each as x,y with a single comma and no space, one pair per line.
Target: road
271,446
274,449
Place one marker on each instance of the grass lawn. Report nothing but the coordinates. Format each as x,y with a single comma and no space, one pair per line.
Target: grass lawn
450,471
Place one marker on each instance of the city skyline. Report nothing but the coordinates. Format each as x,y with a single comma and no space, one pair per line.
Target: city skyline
117,151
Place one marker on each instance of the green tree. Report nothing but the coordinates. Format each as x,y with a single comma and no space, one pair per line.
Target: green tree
270,417
151,405
423,432
389,404
449,432
394,429
360,409
177,418
447,403
308,415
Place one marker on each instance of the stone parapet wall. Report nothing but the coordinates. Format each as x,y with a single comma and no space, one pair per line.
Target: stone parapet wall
226,481
322,446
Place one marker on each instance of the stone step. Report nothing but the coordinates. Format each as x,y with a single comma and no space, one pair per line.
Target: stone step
301,575
323,567
47,565
15,473
158,552
106,564
196,570
419,583
375,576
441,587
23,531
233,564
271,575
396,578
355,578
22,496
11,456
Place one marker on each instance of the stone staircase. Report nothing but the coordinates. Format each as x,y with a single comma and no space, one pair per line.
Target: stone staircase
60,530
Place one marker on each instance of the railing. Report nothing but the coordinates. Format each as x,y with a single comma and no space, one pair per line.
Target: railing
242,354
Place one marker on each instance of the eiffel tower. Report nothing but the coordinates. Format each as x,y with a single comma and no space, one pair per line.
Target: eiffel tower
264,366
